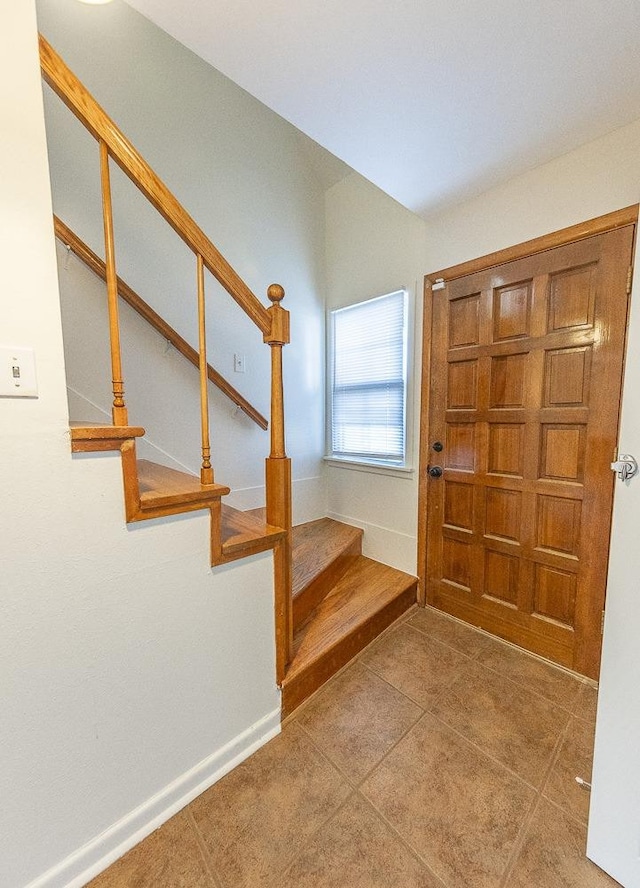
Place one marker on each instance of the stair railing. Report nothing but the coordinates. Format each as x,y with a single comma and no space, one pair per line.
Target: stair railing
272,322
86,255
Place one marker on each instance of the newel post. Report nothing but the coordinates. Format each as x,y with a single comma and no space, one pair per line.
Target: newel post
278,484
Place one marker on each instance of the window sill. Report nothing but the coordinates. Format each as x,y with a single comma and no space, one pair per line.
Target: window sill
359,465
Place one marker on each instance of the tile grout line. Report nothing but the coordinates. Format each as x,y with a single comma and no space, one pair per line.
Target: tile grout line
380,816
483,633
518,845
275,880
520,684
564,811
528,820
440,720
553,802
404,694
484,752
204,853
356,784
316,745
448,644
556,754
580,680
441,643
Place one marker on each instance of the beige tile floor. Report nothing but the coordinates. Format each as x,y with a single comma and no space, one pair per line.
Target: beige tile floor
440,758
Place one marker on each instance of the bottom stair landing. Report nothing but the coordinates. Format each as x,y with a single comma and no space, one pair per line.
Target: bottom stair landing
361,599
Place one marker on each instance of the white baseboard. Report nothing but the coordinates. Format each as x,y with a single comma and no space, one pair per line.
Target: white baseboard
384,544
308,495
87,862
81,407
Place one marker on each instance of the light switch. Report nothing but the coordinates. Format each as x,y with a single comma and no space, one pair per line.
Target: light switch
238,363
17,372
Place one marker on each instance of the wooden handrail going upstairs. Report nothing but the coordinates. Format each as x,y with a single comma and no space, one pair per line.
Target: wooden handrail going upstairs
86,255
272,322
80,101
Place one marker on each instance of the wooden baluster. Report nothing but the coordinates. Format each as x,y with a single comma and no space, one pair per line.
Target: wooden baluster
206,472
278,484
118,410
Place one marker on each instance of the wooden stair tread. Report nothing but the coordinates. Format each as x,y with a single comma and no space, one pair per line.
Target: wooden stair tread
315,545
240,530
84,430
161,486
260,514
96,436
364,592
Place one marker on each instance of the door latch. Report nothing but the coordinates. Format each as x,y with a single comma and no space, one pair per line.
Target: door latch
625,466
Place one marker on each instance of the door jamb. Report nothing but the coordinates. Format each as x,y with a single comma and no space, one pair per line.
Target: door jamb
591,228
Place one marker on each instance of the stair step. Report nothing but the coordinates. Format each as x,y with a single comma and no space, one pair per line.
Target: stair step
90,437
322,551
260,513
364,602
243,533
161,487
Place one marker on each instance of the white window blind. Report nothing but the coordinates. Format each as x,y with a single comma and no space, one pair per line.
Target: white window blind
369,379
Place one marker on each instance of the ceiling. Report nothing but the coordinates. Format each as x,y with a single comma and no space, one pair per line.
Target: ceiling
432,100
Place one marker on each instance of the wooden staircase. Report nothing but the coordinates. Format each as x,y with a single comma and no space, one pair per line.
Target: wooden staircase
341,602
341,599
329,600
154,491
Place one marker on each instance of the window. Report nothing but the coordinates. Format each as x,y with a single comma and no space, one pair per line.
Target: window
369,380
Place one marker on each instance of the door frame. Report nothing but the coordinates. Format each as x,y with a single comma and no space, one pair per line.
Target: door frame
591,228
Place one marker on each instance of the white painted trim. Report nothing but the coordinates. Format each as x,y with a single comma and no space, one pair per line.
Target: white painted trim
384,544
87,862
143,443
402,472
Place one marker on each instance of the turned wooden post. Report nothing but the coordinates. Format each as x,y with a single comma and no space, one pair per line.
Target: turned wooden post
118,410
206,472
278,484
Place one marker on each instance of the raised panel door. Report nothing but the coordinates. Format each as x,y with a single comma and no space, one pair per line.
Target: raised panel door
526,372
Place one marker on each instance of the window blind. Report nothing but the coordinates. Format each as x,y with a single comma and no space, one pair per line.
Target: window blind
368,386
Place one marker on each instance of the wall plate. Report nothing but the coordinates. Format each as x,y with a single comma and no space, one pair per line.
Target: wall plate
17,372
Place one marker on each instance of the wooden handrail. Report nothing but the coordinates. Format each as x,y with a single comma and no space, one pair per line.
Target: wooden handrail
71,240
80,101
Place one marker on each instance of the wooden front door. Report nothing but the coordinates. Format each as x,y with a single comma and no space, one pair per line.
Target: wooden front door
526,368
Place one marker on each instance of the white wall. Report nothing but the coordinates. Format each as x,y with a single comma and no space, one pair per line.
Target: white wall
599,177
375,246
130,673
243,173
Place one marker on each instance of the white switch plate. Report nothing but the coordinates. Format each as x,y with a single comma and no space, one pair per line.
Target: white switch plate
239,363
17,372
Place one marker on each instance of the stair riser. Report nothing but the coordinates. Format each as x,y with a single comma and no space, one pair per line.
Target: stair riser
305,602
321,670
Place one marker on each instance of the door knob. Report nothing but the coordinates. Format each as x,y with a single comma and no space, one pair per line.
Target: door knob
438,446
435,471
